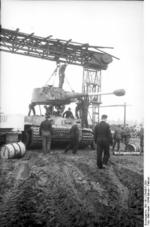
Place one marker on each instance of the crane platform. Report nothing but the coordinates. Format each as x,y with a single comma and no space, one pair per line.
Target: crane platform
59,50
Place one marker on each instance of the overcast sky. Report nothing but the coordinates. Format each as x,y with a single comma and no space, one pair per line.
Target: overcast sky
116,24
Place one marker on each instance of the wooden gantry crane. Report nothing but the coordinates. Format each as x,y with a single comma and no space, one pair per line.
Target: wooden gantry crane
91,58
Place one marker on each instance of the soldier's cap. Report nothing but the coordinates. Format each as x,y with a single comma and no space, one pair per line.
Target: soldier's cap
104,116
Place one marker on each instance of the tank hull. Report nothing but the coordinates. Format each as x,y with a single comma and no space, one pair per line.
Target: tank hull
61,131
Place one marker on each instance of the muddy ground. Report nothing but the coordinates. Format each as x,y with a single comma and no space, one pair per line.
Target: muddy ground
66,190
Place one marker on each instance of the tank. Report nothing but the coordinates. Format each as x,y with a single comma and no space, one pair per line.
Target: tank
55,98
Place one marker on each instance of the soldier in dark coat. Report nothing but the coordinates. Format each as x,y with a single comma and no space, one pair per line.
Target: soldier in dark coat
126,135
141,134
46,132
68,113
103,139
75,138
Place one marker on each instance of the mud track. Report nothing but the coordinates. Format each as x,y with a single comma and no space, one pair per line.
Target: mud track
68,190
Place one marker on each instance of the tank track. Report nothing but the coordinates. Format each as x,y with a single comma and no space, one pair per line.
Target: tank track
59,135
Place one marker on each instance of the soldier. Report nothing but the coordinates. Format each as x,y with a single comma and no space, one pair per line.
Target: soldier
49,110
60,109
75,137
117,138
78,109
46,132
141,134
31,108
84,111
126,136
103,139
62,75
68,113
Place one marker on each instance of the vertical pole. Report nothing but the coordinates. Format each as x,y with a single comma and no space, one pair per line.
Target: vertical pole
100,98
40,110
124,114
83,80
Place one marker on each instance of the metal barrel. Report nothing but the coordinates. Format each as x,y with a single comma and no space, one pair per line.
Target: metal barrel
133,147
12,150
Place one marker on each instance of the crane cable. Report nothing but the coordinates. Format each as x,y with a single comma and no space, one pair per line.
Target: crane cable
69,85
53,74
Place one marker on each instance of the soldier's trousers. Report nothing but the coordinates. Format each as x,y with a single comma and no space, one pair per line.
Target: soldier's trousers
46,143
102,153
142,144
116,141
31,110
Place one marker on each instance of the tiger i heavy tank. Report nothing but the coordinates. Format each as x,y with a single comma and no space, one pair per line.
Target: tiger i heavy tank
52,100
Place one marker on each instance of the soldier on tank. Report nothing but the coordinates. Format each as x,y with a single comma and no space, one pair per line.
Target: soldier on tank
49,110
78,109
62,75
103,139
46,132
31,109
68,114
75,138
60,109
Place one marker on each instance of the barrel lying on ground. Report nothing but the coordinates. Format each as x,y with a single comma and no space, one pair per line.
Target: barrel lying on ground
131,149
13,150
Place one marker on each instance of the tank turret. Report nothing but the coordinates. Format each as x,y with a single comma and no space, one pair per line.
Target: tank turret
53,95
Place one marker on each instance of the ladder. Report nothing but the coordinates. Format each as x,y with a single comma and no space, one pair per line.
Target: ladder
92,84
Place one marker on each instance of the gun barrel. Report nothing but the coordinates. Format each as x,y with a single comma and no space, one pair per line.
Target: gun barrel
119,92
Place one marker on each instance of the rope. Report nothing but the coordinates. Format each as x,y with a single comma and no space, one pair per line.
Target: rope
53,74
69,84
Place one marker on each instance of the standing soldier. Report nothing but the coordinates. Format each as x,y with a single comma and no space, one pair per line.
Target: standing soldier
75,138
117,138
126,136
62,75
46,132
84,111
49,110
78,108
141,134
31,109
103,139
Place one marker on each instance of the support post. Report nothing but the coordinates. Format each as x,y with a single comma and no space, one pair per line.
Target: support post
124,114
92,84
